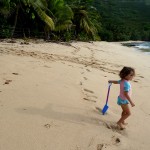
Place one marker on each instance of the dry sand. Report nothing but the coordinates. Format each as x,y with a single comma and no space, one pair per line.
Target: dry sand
49,93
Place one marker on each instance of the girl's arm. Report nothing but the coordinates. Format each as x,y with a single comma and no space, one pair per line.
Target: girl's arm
113,81
129,99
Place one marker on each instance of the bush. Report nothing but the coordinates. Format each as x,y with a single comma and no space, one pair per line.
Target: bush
5,32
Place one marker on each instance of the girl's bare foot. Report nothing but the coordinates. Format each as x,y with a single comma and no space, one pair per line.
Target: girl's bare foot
120,126
124,123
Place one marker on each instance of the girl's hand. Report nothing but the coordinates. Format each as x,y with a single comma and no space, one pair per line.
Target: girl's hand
132,104
109,81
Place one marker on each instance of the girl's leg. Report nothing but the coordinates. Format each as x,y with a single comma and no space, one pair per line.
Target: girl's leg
125,114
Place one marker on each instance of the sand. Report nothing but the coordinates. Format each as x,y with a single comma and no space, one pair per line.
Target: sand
51,94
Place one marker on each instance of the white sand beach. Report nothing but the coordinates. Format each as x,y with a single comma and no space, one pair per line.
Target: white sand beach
50,92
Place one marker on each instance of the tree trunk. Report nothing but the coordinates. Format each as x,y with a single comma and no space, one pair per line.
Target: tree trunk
15,22
47,32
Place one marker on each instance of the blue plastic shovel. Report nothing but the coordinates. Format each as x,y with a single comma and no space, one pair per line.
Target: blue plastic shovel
106,106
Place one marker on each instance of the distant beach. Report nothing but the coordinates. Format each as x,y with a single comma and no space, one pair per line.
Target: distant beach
143,46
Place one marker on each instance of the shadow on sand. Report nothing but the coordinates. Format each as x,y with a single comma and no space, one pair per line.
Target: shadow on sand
64,113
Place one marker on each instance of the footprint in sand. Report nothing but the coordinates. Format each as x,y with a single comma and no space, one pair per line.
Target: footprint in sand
101,146
117,140
46,66
99,109
11,41
85,78
49,125
141,76
15,73
111,126
114,128
7,81
27,43
87,99
75,51
88,91
71,66
91,98
88,70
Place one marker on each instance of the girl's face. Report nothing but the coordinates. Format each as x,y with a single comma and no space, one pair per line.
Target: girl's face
130,76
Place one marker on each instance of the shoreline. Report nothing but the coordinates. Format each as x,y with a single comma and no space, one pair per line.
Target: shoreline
129,44
143,46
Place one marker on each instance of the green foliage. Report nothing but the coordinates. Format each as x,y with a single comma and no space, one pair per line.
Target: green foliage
4,7
64,20
57,19
5,31
40,6
124,20
67,36
84,20
83,37
61,13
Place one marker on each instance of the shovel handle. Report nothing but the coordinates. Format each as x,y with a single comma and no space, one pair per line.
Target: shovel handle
109,85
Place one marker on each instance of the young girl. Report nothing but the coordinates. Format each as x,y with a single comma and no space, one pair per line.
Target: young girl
126,75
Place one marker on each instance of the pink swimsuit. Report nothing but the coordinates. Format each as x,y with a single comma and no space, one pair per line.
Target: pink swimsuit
124,86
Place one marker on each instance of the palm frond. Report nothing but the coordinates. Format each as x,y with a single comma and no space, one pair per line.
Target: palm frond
63,26
44,17
63,14
82,18
40,3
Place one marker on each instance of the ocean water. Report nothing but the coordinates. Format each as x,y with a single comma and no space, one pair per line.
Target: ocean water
142,46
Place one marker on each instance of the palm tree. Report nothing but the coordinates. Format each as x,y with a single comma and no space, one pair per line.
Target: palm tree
62,13
83,21
82,17
39,6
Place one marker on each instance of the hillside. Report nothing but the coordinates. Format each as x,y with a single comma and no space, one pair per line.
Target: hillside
124,20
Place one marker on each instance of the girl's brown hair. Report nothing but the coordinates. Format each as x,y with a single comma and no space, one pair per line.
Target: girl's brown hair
126,71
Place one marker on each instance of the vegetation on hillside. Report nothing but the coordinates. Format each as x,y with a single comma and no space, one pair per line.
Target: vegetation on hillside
64,20
124,19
